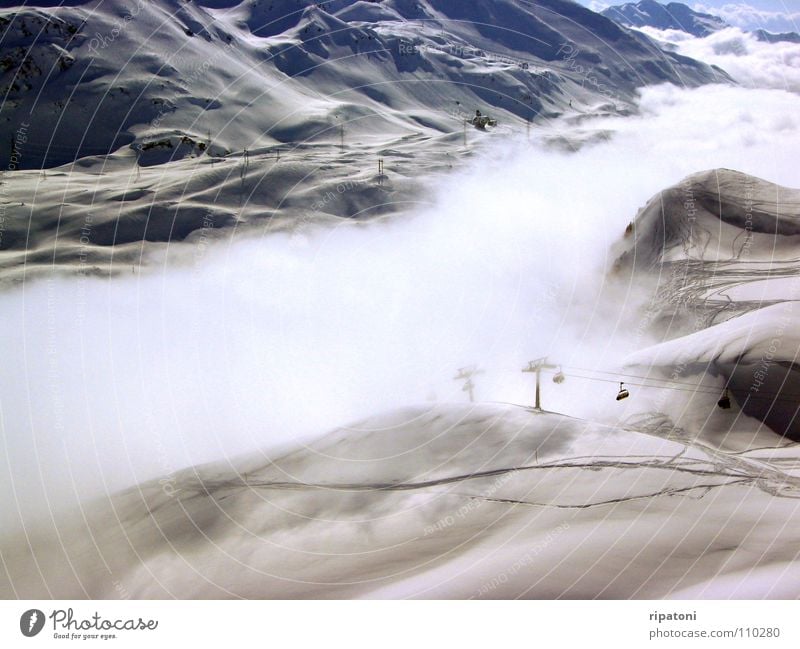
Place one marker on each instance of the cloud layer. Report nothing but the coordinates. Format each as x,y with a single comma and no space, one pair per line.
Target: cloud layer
277,340
752,63
746,16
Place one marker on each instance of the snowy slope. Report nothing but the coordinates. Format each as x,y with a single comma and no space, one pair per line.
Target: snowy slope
444,501
722,248
313,93
715,215
670,496
99,75
757,356
681,17
223,115
673,15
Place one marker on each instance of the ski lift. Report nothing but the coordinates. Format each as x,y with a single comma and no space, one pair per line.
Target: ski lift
559,376
725,401
482,121
623,392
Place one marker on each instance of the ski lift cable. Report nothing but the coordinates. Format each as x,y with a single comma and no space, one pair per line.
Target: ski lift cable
569,369
699,387
636,376
653,383
699,390
702,390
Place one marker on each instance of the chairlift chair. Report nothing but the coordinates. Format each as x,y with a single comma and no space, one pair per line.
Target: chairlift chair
623,392
559,376
482,121
725,401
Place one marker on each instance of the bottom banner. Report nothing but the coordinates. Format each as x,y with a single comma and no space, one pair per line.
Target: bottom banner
461,624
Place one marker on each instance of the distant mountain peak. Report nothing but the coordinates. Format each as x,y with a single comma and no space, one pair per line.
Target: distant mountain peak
681,17
673,15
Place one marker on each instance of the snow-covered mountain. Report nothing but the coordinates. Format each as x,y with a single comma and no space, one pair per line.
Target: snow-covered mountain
681,17
177,79
502,501
223,114
134,126
722,246
673,15
458,501
770,37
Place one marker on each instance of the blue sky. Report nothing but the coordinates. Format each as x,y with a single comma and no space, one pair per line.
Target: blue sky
773,15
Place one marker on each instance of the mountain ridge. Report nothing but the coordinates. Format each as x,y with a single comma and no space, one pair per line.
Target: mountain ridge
98,76
681,17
